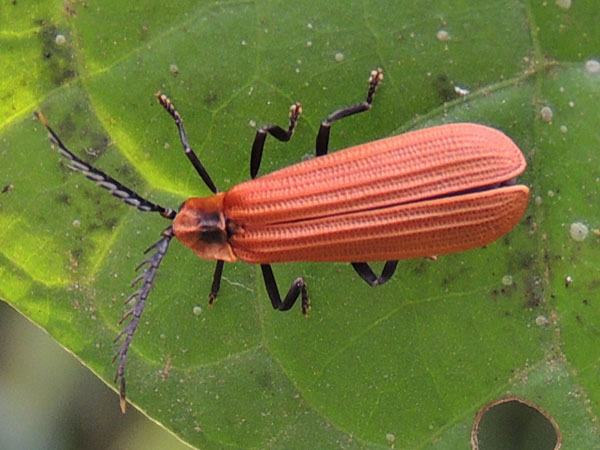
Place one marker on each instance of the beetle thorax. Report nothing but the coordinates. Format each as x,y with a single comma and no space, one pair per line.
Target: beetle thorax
201,225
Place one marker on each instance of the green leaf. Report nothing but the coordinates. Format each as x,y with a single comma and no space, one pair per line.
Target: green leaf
404,365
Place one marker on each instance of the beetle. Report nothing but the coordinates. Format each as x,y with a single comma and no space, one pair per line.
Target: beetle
429,192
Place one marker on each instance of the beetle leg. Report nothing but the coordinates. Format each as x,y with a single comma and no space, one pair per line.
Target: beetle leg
298,287
277,132
367,274
189,152
322,143
103,180
216,282
136,311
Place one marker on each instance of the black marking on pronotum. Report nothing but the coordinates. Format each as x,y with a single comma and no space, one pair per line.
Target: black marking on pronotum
217,228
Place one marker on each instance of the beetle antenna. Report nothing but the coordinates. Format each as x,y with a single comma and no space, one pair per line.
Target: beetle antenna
103,180
152,262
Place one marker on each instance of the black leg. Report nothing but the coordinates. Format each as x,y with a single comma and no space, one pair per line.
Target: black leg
367,274
298,287
277,132
322,143
136,311
216,282
189,152
103,180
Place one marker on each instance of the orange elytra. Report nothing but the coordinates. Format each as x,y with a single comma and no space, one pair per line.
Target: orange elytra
429,192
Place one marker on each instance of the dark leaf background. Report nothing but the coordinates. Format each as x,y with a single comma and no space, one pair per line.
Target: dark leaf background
406,365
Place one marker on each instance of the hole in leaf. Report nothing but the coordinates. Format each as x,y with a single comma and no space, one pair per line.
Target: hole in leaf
515,423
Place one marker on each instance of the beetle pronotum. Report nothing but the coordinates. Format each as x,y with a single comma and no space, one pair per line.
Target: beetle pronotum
433,191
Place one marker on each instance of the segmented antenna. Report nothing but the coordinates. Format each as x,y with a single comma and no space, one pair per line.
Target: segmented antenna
152,263
103,180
